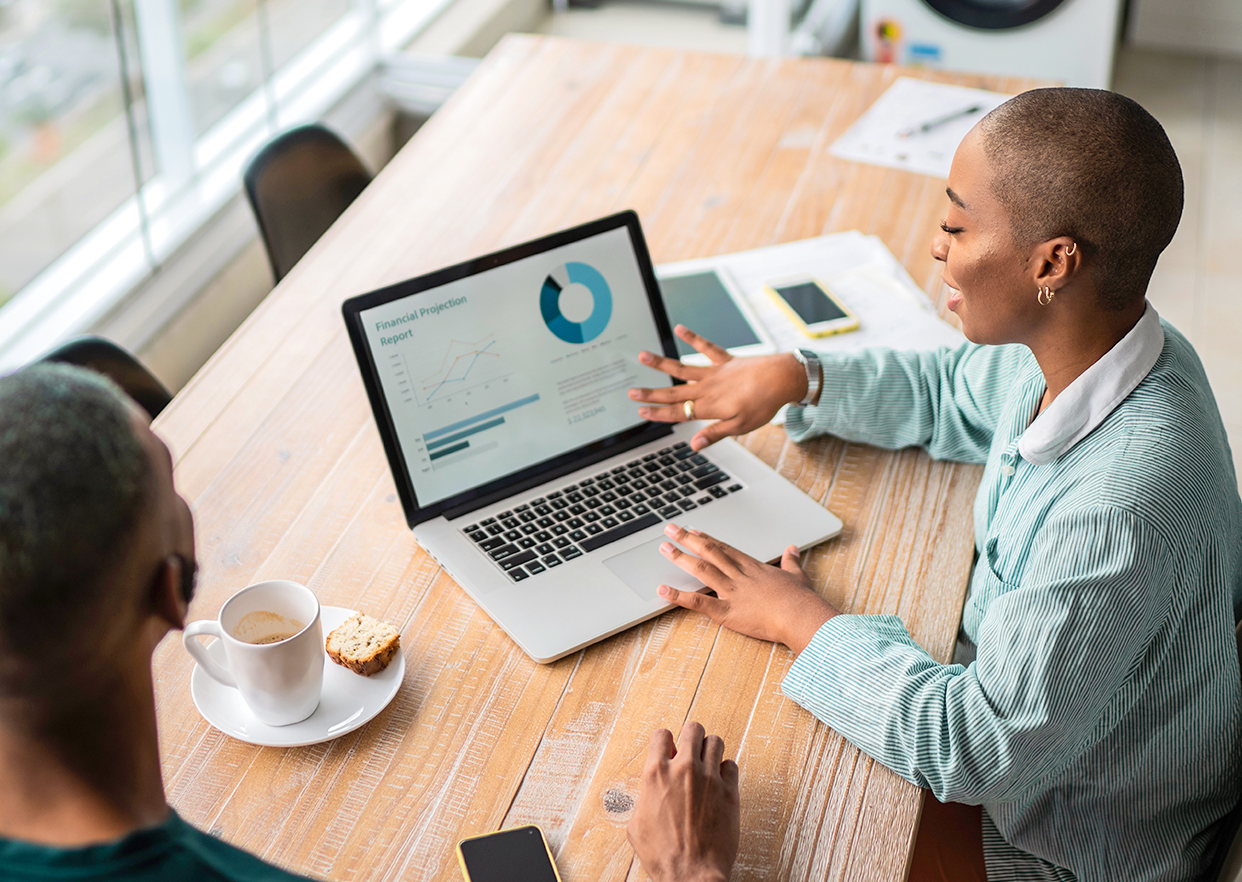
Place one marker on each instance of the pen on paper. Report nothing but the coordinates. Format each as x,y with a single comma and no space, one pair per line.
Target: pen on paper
939,121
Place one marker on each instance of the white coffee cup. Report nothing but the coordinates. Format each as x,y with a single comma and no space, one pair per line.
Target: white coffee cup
280,681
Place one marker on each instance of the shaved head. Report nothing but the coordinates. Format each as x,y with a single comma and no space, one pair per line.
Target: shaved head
1094,166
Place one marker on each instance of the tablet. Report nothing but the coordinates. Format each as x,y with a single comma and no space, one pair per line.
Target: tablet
706,301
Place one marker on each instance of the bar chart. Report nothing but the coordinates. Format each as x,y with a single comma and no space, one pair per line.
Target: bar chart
450,444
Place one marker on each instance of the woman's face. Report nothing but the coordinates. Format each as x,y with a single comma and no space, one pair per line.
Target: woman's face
994,293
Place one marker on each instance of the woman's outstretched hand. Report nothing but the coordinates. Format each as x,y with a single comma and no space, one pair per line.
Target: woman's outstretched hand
739,394
753,598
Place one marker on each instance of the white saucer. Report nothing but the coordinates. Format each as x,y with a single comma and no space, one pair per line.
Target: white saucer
348,700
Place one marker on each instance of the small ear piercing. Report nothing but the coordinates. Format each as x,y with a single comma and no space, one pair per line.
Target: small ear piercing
1045,294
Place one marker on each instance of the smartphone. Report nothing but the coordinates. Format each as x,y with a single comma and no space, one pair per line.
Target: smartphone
813,307
519,854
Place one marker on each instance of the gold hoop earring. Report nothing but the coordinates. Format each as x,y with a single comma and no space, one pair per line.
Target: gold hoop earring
1044,295
1073,247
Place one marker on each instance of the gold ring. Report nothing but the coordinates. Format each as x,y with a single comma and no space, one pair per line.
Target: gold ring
688,409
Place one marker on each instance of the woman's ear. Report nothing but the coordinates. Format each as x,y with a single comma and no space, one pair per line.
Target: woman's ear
1058,262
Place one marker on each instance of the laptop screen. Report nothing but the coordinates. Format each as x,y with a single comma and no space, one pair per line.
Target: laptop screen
504,368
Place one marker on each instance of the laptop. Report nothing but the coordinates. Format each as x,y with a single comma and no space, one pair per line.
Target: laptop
500,390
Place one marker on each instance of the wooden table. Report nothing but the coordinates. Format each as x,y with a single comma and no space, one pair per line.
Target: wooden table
277,452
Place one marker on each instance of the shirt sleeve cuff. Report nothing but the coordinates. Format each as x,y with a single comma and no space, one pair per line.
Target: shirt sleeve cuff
830,677
817,419
800,422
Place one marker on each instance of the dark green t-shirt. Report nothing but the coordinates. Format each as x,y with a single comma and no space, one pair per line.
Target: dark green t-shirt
173,850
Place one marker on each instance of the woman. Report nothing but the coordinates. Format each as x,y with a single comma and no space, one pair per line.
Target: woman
1100,723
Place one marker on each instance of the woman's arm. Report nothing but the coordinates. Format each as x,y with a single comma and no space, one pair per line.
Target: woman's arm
1054,656
946,400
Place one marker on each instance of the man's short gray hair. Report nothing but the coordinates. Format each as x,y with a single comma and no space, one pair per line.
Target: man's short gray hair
74,482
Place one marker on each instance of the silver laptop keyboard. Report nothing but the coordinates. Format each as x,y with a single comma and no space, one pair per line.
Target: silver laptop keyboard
553,529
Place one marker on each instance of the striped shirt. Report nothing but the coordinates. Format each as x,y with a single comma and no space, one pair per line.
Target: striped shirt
1100,724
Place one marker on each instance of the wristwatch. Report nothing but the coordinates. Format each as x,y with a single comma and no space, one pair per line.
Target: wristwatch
814,374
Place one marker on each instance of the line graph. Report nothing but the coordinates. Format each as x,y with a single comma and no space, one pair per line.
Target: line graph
463,360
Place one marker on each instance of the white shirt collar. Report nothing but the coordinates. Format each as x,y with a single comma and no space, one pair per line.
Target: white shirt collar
1086,402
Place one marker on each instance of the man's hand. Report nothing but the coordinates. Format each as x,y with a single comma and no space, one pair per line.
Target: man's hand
740,394
752,598
687,822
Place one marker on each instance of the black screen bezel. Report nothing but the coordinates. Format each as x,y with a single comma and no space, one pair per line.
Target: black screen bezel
516,482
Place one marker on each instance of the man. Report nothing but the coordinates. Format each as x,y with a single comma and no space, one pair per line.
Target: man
96,566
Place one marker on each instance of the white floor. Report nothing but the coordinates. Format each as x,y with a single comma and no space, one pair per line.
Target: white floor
1198,282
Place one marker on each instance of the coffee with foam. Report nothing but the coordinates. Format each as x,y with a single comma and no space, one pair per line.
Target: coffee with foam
263,626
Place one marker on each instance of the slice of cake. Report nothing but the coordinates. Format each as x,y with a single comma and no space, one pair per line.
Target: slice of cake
363,644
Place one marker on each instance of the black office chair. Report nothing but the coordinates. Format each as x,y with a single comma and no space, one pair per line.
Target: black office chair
298,185
105,357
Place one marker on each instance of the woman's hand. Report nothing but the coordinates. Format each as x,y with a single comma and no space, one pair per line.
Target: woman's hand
687,821
752,598
740,394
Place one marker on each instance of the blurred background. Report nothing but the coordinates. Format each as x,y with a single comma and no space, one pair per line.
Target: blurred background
125,126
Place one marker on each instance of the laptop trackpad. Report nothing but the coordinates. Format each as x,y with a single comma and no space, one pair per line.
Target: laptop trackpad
644,570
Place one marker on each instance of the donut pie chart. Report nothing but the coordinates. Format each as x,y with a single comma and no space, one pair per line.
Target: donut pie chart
550,302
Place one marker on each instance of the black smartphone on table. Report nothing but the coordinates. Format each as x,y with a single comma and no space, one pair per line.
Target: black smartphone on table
519,854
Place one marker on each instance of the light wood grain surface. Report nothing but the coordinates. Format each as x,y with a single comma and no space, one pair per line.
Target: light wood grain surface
277,452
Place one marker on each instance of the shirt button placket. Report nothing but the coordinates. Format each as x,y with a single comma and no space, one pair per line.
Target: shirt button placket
1009,461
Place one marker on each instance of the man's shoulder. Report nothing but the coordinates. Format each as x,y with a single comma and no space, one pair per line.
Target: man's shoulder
208,854
173,850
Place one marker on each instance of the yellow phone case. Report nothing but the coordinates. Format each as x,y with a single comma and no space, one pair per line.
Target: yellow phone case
461,859
797,319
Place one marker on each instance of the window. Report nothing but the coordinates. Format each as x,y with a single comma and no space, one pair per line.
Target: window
124,126
66,156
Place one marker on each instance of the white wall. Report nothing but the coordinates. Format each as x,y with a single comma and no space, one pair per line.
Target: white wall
1212,27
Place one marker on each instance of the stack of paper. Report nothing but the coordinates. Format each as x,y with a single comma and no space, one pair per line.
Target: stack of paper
892,311
916,125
